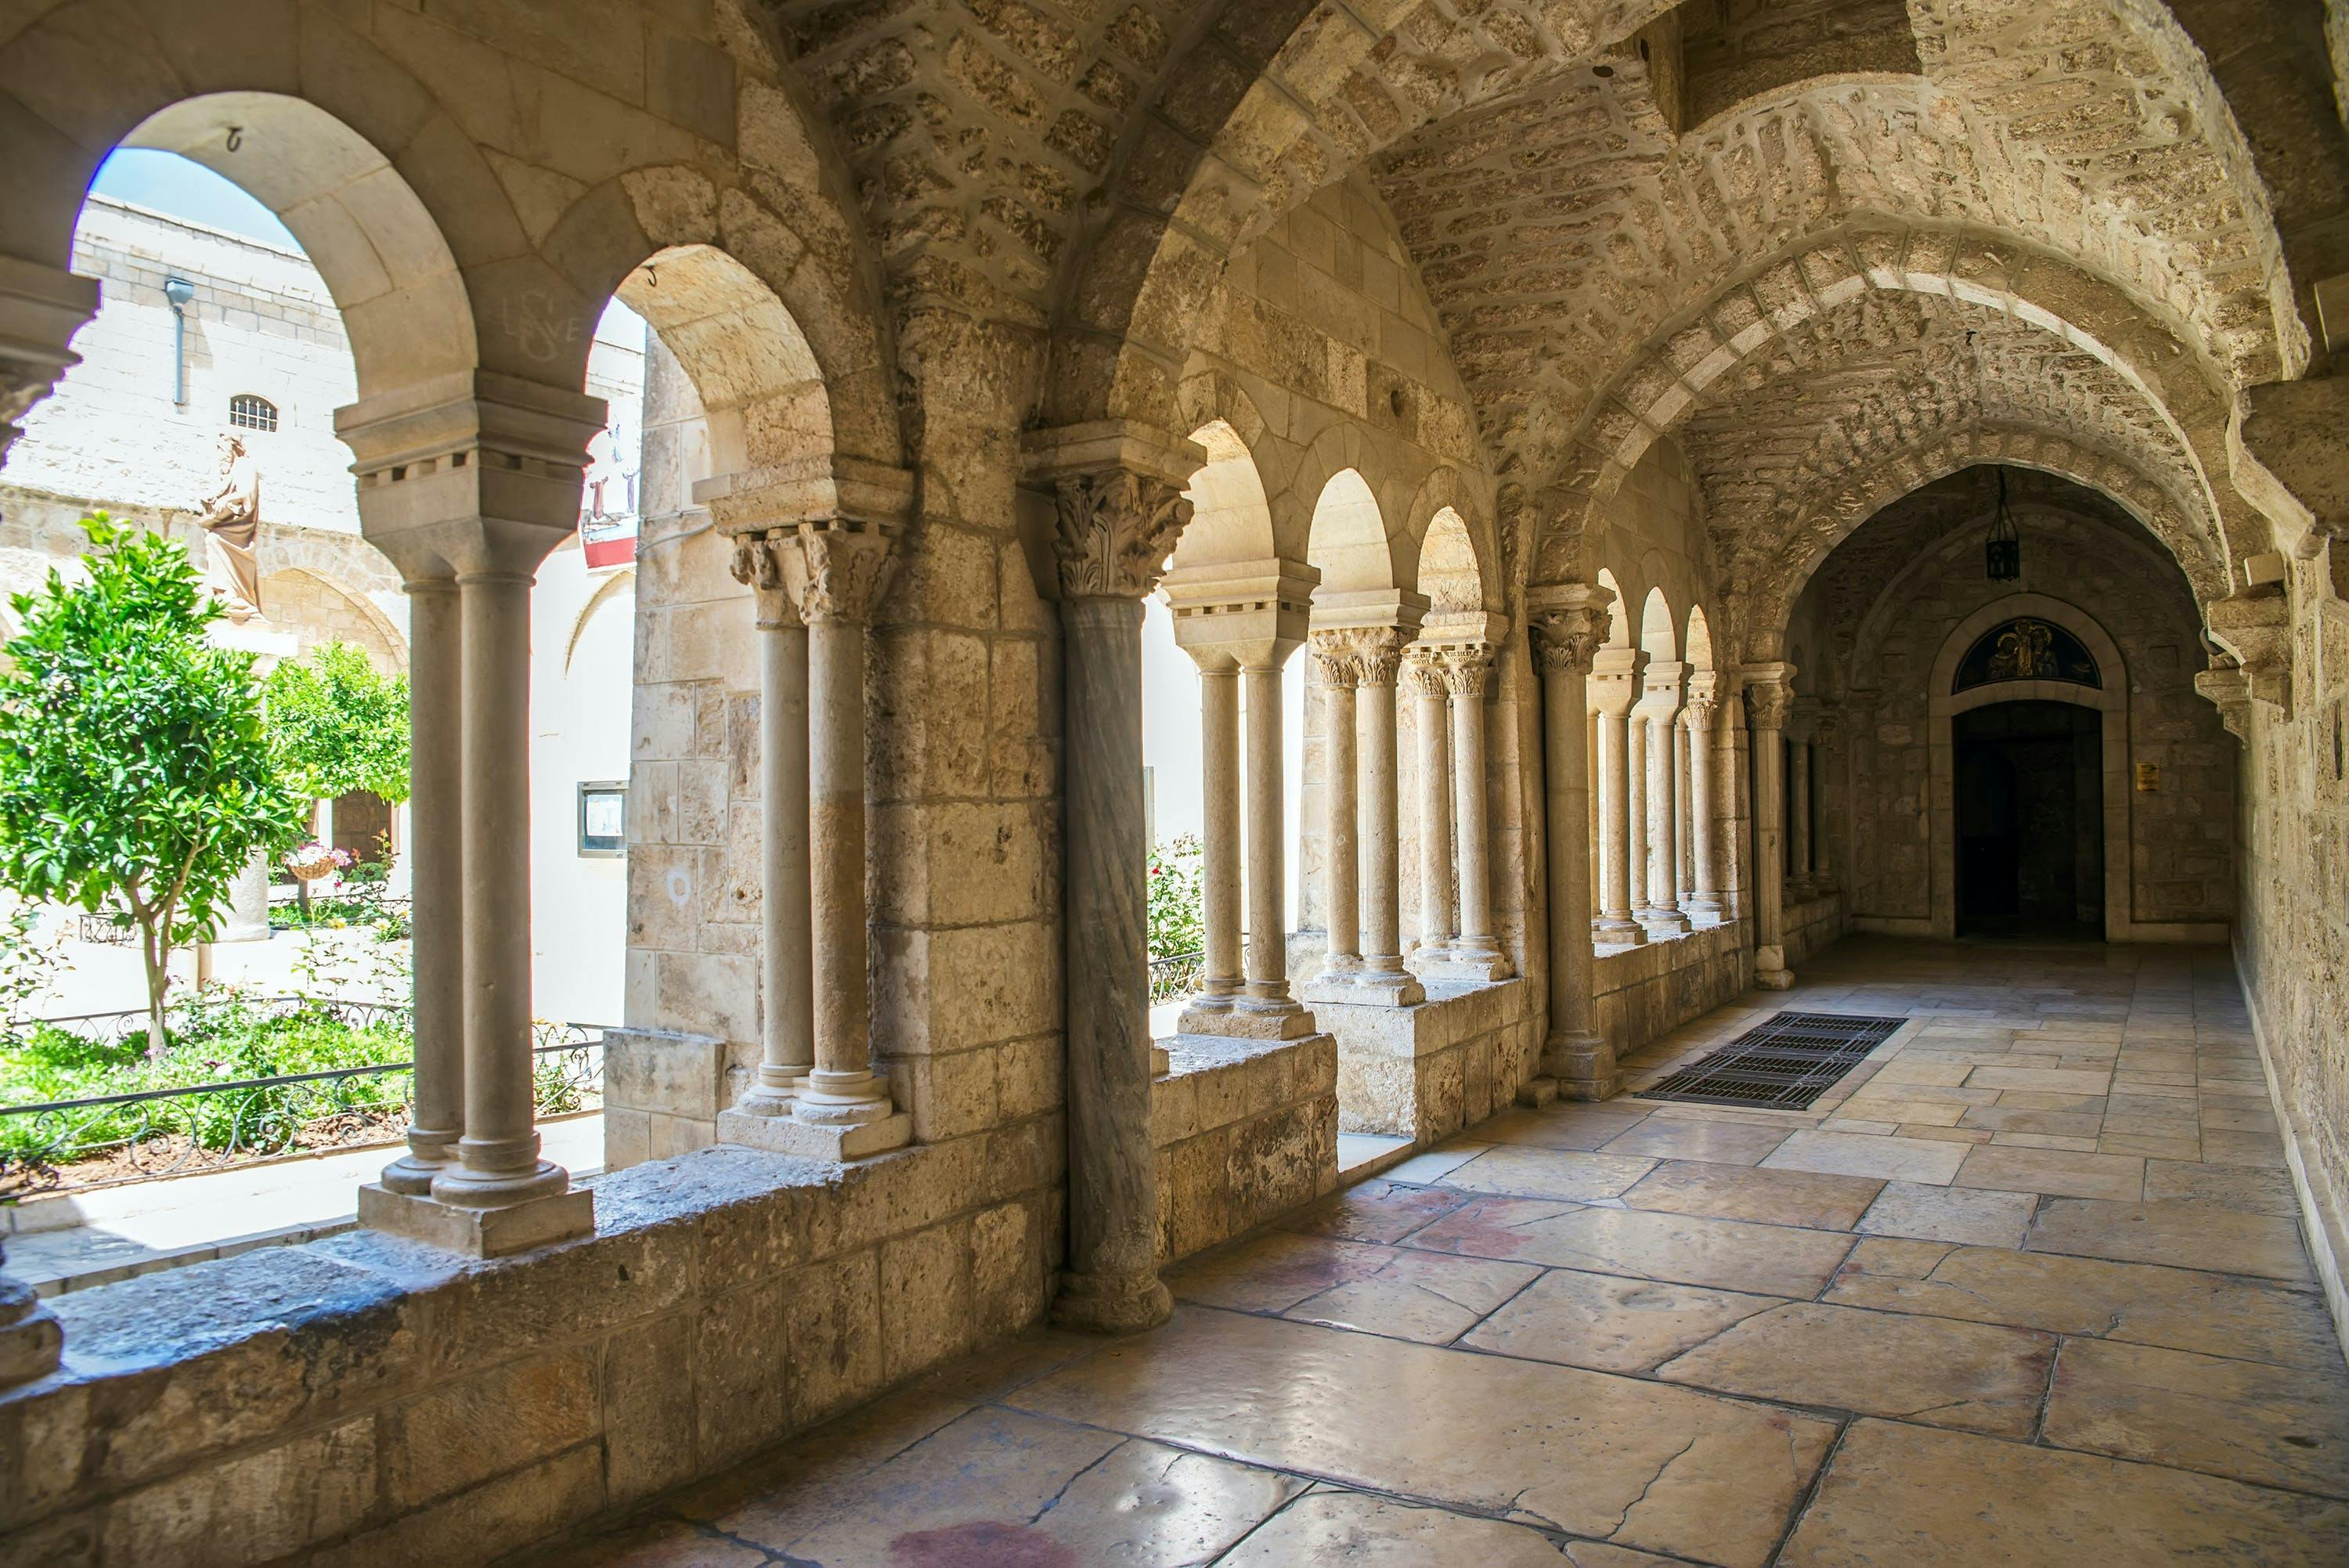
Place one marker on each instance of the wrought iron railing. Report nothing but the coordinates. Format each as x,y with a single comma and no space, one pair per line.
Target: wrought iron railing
1173,976
109,1139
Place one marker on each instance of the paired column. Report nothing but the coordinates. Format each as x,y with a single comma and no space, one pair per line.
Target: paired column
1769,696
1615,689
1568,625
1798,805
1363,809
1477,951
1659,707
1334,660
1704,902
1120,507
1423,675
786,962
1827,729
1220,975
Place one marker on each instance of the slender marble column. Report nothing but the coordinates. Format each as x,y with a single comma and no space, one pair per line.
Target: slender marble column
838,574
436,861
1466,671
1115,529
1769,696
1383,976
1635,817
786,950
1827,729
1733,803
1616,676
498,1164
1220,978
1704,902
1683,864
1342,864
1590,752
1424,677
1267,996
1660,707
1798,813
1567,635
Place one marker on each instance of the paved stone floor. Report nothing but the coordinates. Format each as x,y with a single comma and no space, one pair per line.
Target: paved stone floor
2029,1290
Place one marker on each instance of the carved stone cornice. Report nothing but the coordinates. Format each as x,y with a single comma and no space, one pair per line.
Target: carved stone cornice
2230,691
1569,626
838,570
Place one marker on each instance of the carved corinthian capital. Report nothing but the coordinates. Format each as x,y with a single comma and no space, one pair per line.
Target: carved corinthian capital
1115,530
1569,626
1422,672
758,566
837,570
1770,694
1465,667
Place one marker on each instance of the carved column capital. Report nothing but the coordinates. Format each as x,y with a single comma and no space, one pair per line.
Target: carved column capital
1359,655
1114,532
1423,671
838,569
1770,695
1566,640
1464,668
758,566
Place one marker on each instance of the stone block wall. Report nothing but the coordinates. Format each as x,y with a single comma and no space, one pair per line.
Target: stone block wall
362,1400
662,1093
1244,1129
1424,1072
1648,991
1813,926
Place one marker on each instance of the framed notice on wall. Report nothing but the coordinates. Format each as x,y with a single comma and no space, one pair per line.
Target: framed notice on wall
603,817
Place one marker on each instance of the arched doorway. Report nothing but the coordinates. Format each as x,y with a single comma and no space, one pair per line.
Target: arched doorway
2029,819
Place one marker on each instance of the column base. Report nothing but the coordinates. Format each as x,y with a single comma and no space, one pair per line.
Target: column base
412,1175
1770,971
1708,911
1334,983
1583,1066
520,1227
1396,987
32,1340
1537,1094
767,1099
1111,1304
1246,1020
1476,959
837,1141
1663,923
1800,890
1617,930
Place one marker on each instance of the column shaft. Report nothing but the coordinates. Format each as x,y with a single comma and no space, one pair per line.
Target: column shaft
841,1086
1704,892
1770,699
1684,869
1267,877
1383,971
1477,944
1340,863
786,952
435,859
1663,916
1436,930
1573,1053
1615,921
1798,815
1220,977
1635,817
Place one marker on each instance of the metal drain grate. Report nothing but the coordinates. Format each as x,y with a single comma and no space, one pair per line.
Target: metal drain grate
1783,1064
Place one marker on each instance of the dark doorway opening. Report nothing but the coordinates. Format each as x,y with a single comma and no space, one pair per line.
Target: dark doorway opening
2029,821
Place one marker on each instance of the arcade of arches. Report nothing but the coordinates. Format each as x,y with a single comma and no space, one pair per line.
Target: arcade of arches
1607,402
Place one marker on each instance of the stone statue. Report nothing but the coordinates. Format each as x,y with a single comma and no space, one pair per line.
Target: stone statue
231,516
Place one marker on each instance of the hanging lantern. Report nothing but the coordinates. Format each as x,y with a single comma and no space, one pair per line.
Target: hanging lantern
2003,552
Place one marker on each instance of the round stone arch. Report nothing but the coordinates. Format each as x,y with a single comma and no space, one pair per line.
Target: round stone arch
623,582
2109,700
318,609
1452,543
1835,517
1232,517
1364,548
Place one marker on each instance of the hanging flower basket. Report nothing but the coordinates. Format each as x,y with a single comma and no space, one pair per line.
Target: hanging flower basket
315,862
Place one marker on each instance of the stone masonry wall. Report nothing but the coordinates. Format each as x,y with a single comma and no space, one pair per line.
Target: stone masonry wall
1244,1129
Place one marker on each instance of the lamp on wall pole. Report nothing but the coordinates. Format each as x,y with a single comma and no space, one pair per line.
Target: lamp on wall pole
2003,552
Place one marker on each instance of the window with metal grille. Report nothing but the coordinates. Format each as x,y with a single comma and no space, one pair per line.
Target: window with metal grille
250,411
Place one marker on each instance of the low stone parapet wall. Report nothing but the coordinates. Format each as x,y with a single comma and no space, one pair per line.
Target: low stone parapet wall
1814,925
1244,1128
1646,992
1427,1071
662,1093
363,1400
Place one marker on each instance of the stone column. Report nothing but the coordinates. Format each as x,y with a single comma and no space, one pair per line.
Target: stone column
435,852
1705,904
1769,696
1635,816
1333,652
1798,805
1827,729
1120,507
837,571
1660,707
1616,679
1569,625
1684,863
1477,950
1732,799
1382,977
1220,975
786,936
1423,675
1275,1012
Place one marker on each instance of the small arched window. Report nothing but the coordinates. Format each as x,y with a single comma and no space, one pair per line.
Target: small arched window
251,411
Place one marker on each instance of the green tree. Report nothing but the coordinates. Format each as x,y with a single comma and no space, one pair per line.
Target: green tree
335,725
134,766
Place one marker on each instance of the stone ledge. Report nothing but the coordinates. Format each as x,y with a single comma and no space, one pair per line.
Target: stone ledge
1244,1129
332,1400
1425,1071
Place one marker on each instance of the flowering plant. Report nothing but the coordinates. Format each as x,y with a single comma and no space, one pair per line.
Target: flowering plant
1177,894
314,860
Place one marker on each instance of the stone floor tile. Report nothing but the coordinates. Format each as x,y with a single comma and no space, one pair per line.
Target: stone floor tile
2149,1148
1275,1271
2238,1118
2061,1080
1977,1217
2020,1119
2263,1149
1801,1198
1861,1127
1887,1108
1568,1126
660,1544
1432,1297
2270,1426
1374,1210
2183,1233
1895,1257
1768,1260
1327,1525
1608,1323
1427,1169
2042,1099
1620,1460
1891,1158
1721,1142
2140,1302
1901,1496
1941,1134
1981,1377
2071,1172
2040,1141
2242,1187
1567,1173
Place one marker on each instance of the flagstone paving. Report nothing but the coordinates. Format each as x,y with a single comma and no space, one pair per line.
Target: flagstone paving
2025,1288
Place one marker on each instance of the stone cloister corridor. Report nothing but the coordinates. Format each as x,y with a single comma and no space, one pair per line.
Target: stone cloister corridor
1620,519
2025,1286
